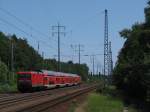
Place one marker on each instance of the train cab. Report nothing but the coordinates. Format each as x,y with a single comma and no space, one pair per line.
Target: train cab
28,81
24,81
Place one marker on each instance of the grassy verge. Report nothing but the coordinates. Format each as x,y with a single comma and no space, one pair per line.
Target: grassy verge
103,100
101,103
72,107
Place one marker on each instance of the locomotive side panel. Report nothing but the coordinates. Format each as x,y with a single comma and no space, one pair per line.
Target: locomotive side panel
37,80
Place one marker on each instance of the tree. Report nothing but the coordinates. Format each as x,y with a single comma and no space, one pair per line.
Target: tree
132,71
3,72
147,14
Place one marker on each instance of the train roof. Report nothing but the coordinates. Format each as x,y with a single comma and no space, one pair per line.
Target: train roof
53,73
50,73
24,72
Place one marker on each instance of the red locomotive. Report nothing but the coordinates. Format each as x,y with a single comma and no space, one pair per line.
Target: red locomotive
28,81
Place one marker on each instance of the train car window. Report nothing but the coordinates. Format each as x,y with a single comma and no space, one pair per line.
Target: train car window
28,76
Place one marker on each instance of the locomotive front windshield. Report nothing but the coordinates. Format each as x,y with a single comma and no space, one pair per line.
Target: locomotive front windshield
24,76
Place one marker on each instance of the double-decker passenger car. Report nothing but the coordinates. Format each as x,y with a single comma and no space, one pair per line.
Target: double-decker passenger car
30,80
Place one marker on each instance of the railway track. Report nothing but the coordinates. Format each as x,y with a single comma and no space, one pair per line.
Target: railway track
41,101
7,97
15,99
47,106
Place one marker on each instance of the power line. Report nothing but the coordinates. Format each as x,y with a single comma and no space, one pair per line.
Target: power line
5,21
79,49
58,32
67,55
26,24
26,33
93,62
12,58
43,60
21,21
38,46
31,28
12,15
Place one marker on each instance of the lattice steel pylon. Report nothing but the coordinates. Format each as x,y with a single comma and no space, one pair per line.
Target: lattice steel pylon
106,54
110,65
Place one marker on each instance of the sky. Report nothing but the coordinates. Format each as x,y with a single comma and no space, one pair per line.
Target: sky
83,21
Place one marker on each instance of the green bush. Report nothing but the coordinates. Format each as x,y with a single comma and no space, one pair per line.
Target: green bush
7,79
8,88
3,72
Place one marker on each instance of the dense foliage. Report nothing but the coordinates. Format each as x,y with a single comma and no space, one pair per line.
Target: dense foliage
3,72
132,70
27,58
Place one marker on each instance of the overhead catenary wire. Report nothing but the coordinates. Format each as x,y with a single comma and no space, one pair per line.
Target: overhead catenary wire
44,35
27,25
21,30
47,45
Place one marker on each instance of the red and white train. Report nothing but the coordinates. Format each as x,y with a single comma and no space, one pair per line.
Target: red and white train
30,80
